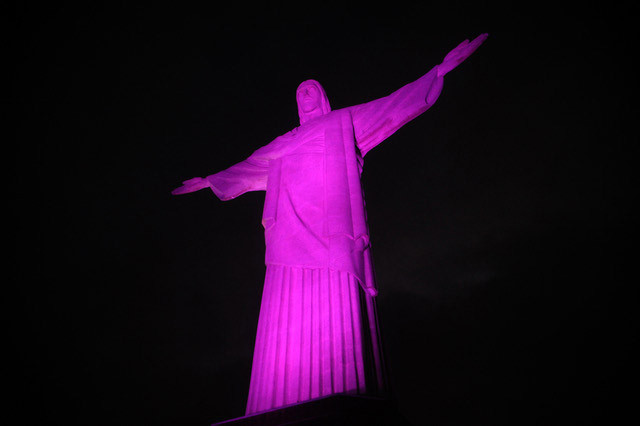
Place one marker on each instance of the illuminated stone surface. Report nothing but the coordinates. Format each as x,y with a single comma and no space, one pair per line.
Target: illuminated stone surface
317,332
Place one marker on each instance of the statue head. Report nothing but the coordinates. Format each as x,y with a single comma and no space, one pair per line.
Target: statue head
312,100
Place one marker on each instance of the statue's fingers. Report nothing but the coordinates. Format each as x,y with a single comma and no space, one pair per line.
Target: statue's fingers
464,42
476,43
456,50
192,180
184,188
461,46
479,40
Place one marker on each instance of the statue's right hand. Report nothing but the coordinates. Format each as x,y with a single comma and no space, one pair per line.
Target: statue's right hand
191,185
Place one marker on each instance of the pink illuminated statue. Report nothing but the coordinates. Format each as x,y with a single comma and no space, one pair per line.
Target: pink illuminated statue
317,331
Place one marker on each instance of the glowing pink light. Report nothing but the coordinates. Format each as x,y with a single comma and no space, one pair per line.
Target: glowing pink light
317,332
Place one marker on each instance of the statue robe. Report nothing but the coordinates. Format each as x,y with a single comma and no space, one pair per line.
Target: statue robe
317,331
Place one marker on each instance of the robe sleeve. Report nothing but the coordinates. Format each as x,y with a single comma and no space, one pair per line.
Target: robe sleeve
248,175
375,121
252,173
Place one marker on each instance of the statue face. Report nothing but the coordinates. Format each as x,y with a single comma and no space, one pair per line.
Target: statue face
309,98
312,101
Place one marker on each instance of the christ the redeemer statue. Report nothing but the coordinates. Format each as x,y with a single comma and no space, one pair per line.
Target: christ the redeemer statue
317,331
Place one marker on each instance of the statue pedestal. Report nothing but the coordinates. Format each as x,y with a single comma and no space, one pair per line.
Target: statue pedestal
332,410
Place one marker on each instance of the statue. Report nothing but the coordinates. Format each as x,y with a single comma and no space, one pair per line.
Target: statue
317,330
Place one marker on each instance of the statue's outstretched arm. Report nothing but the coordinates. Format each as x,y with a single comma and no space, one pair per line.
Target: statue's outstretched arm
247,175
377,120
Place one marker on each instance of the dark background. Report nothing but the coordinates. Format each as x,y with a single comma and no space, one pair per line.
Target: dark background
499,218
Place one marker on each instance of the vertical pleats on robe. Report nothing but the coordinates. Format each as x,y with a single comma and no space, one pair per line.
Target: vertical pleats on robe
317,336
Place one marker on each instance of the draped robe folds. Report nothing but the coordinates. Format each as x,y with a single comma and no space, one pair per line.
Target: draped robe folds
318,250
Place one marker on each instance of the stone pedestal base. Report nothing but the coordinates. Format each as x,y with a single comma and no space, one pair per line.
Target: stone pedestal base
333,410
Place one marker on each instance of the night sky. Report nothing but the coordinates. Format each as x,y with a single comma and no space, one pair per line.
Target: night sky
499,218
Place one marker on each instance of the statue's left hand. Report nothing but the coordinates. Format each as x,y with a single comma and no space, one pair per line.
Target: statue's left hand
459,54
191,185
